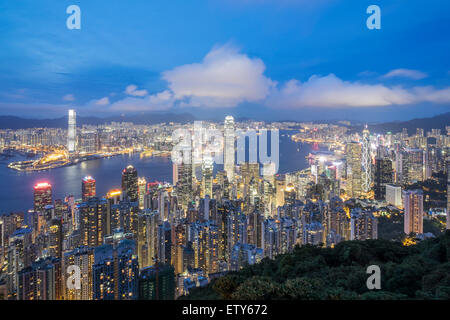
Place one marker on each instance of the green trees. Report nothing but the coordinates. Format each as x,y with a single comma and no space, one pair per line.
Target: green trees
421,271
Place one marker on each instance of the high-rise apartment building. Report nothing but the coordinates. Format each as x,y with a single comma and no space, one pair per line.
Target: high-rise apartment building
413,206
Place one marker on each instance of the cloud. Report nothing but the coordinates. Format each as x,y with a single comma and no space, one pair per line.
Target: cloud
225,78
102,102
330,91
132,91
406,73
69,97
228,78
161,101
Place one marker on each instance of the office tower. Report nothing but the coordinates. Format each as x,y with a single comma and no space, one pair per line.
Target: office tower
412,166
394,195
115,271
383,176
157,283
92,221
72,131
229,150
130,187
366,163
354,169
413,207
83,258
142,190
42,196
37,282
363,225
88,188
184,189
207,177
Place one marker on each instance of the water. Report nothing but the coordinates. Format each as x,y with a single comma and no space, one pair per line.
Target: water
16,188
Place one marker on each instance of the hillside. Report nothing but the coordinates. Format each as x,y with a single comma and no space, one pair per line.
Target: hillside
421,271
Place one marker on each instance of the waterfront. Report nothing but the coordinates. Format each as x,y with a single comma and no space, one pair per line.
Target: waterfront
16,189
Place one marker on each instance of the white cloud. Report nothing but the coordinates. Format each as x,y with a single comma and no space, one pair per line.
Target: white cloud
225,78
330,91
132,91
102,102
160,101
406,73
69,97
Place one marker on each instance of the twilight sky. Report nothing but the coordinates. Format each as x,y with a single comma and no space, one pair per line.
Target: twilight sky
265,59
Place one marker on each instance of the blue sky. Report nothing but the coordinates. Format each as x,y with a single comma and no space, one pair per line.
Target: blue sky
268,59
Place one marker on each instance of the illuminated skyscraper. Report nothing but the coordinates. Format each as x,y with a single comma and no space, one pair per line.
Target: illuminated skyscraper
72,131
130,187
142,189
366,162
207,177
42,196
354,169
413,206
412,165
88,188
229,147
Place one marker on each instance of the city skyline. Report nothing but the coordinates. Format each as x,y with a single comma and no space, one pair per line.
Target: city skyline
249,150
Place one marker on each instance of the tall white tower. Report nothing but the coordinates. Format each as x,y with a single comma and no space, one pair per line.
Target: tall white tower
366,162
72,131
229,147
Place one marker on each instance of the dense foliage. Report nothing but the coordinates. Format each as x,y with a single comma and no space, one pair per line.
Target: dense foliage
421,271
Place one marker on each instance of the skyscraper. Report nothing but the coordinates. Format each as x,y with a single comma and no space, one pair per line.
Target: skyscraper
229,147
207,176
413,206
142,190
383,176
88,188
412,166
366,162
354,169
42,196
72,131
130,186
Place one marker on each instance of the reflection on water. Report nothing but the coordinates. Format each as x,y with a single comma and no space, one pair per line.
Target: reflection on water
16,188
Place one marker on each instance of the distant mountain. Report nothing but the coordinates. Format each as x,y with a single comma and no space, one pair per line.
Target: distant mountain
12,122
437,122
